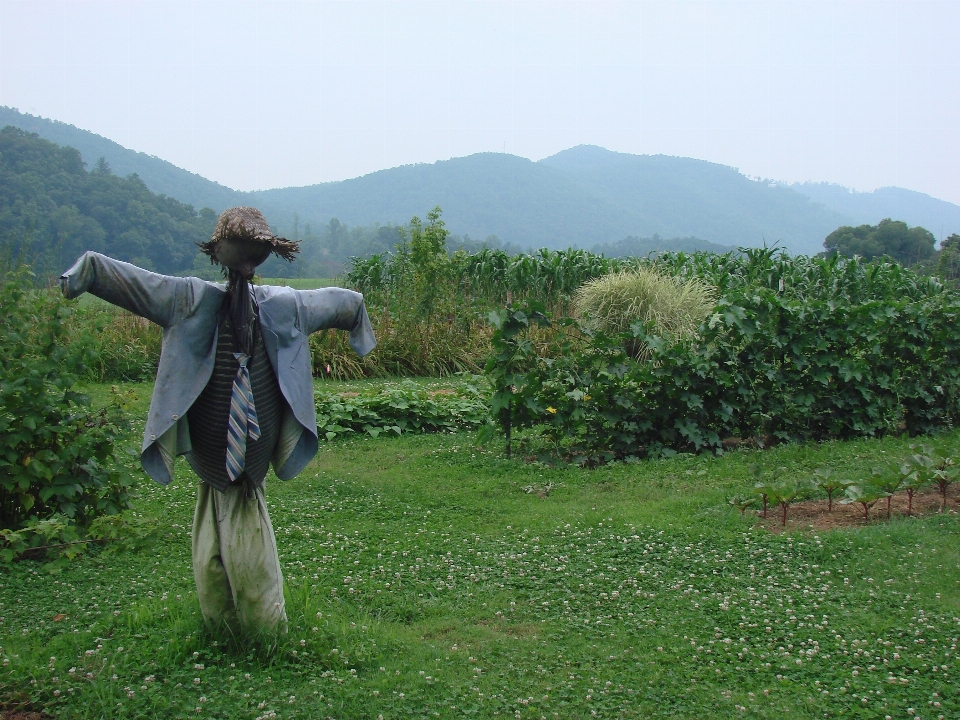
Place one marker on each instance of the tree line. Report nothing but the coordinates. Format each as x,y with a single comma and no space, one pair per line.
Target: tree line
910,246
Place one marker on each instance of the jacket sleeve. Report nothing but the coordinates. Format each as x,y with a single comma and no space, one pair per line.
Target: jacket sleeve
339,309
162,299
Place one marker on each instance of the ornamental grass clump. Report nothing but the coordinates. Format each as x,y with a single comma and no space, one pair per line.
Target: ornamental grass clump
668,306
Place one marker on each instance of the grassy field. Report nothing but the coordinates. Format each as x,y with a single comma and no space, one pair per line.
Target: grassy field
299,283
429,577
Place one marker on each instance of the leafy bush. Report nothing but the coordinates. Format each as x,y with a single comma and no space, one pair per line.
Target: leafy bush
60,539
825,479
404,407
512,353
865,494
887,480
933,465
57,456
787,492
850,350
667,305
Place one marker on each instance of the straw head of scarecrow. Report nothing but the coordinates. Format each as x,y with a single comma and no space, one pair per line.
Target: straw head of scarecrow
242,241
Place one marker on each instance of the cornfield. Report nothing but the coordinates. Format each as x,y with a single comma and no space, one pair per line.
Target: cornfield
492,277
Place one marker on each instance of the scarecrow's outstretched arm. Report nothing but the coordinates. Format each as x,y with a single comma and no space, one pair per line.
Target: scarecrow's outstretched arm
163,299
339,309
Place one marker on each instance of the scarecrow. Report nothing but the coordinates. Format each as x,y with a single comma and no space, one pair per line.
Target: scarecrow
234,393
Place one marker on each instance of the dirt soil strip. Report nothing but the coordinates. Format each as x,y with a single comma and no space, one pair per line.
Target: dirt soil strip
813,514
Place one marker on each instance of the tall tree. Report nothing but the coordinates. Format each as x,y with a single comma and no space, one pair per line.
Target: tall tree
948,263
889,237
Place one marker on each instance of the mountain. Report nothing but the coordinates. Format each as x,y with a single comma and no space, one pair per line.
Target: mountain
52,210
868,208
582,197
673,196
160,176
517,200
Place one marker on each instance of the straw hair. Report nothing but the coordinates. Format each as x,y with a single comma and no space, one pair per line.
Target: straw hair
247,223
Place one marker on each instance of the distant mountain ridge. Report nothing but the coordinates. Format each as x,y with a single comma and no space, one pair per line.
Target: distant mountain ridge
579,197
673,196
867,208
162,177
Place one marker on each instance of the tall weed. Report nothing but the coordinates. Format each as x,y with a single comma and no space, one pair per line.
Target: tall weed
120,346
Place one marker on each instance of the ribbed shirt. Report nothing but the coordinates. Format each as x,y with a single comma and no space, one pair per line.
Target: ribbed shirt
209,415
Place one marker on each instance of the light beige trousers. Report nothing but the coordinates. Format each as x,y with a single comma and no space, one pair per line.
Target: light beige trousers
235,561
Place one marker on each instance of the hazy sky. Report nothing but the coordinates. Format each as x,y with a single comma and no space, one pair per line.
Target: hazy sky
269,94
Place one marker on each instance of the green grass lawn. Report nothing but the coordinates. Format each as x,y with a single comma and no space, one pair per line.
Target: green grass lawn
427,576
300,283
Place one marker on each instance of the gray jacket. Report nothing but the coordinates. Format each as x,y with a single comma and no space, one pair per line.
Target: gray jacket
186,309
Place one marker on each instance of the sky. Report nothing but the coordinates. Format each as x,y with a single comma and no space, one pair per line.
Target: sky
258,95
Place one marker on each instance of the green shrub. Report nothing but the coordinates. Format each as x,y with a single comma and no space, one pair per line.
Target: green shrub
851,351
513,351
668,306
57,456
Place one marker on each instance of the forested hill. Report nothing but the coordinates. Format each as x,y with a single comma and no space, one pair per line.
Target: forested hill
867,208
674,196
160,176
52,210
583,196
511,197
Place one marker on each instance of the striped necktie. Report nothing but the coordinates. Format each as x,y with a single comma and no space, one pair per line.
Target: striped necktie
243,419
